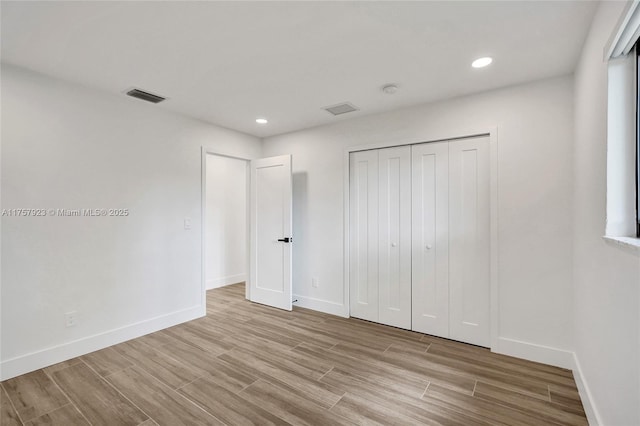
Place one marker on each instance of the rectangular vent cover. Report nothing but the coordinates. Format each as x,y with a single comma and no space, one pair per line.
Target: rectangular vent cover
145,96
341,108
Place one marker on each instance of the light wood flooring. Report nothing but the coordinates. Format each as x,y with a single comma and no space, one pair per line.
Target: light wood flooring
249,364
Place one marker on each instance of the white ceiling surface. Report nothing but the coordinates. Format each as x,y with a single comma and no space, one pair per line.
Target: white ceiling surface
230,62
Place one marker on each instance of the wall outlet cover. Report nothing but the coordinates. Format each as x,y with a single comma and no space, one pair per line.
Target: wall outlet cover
70,318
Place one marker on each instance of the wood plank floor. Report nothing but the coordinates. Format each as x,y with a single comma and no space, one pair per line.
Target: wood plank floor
250,364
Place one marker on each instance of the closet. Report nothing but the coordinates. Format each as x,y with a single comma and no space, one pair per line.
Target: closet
419,238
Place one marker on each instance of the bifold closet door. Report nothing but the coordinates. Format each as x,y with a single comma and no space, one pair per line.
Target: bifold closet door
469,245
419,238
380,235
363,234
430,238
394,236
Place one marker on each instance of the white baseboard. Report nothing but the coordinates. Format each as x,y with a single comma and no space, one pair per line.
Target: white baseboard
53,355
221,282
533,352
321,305
585,394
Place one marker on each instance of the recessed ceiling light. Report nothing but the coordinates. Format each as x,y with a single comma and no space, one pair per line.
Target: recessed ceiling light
482,62
261,120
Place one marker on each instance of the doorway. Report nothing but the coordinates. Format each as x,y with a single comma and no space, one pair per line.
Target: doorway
246,210
226,220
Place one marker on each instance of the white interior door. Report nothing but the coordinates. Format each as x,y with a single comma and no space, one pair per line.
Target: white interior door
394,236
270,230
363,234
469,244
430,238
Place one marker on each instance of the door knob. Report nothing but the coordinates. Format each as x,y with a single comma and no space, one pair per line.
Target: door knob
286,240
393,244
428,246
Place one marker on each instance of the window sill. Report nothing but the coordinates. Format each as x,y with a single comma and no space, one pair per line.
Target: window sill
629,244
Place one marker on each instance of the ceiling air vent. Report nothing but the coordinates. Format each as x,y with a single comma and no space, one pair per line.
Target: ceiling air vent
341,108
145,96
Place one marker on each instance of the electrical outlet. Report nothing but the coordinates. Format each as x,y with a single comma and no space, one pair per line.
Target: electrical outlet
70,318
187,223
315,281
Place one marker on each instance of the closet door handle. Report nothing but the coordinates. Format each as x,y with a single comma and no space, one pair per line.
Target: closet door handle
286,240
428,246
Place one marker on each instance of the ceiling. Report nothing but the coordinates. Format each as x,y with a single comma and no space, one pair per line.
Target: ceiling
231,62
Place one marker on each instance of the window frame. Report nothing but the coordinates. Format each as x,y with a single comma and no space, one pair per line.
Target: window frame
636,50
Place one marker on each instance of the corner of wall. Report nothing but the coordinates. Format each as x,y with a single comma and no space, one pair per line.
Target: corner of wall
585,394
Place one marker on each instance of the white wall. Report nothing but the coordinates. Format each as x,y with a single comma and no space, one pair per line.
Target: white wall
535,131
226,226
606,277
65,146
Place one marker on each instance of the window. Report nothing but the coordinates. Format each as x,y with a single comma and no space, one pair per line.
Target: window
623,129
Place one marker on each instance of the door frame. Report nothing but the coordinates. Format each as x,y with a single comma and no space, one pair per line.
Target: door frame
203,213
492,133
